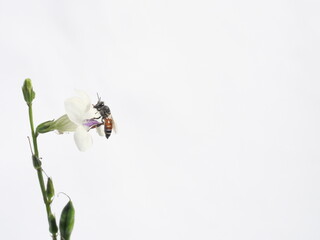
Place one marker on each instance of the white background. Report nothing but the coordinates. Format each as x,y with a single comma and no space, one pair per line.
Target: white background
217,107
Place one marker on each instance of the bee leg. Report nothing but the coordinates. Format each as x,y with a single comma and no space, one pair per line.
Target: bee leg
95,126
96,117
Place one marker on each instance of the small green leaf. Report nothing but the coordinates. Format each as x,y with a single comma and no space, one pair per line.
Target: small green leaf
67,221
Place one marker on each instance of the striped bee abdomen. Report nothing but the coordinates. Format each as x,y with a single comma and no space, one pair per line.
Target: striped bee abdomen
107,127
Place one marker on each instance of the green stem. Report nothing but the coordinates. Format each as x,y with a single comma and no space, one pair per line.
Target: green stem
39,170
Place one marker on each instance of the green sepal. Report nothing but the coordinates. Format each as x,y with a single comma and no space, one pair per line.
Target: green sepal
53,228
66,221
50,190
36,162
45,127
28,92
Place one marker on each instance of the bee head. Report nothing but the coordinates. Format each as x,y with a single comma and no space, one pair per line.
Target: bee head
99,104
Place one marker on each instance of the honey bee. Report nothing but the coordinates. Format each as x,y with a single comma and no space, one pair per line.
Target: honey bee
105,116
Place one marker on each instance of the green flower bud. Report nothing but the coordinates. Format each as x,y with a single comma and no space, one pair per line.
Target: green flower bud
36,162
53,228
64,124
66,221
45,127
50,190
28,92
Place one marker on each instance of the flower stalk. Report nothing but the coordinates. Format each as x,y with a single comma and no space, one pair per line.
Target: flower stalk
35,157
80,117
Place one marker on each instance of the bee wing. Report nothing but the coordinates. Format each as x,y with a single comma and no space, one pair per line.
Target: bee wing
114,125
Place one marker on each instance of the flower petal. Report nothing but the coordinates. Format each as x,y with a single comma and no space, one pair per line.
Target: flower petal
79,108
100,131
75,110
82,139
90,112
84,98
90,123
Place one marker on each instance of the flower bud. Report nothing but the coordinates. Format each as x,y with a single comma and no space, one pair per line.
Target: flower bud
45,127
28,92
36,162
50,190
53,228
66,221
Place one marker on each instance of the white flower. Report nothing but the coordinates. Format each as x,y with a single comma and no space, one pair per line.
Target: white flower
81,112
